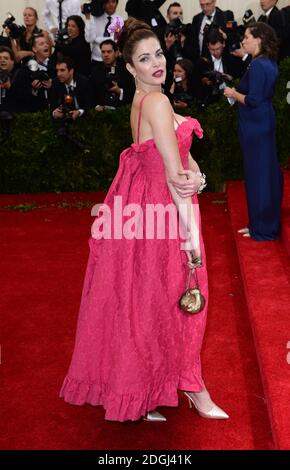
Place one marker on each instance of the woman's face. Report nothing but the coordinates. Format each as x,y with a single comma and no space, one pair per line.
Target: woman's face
149,63
179,72
72,29
250,44
29,17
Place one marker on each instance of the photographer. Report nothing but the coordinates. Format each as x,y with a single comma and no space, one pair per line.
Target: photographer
22,44
276,19
51,13
34,79
69,97
96,29
182,89
73,44
175,33
148,11
111,83
211,15
216,69
8,72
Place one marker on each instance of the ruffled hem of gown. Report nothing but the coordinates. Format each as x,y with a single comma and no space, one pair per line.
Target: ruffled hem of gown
130,406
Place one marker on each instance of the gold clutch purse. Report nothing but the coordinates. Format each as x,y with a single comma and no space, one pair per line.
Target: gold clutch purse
192,301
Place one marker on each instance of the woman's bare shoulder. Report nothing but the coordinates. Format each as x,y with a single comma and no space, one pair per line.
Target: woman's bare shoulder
156,103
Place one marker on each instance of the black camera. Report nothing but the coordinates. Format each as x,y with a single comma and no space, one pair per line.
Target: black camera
111,78
16,31
95,8
62,38
4,76
235,35
179,93
36,73
176,27
248,18
217,78
218,82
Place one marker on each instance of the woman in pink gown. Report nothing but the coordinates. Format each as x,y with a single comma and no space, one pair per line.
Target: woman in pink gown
135,348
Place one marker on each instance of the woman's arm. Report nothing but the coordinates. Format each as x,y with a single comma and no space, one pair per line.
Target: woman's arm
192,165
257,77
159,114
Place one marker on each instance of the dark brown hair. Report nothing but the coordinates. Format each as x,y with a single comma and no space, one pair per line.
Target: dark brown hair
187,66
133,32
9,51
269,39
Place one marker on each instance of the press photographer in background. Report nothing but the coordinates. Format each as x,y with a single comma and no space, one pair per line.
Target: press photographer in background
148,11
216,69
174,34
71,43
22,36
274,18
211,15
55,13
8,73
99,14
111,84
34,80
182,88
235,35
69,97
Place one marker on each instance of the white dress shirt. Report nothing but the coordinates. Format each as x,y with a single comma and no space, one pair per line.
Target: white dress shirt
217,64
268,12
94,33
201,34
51,12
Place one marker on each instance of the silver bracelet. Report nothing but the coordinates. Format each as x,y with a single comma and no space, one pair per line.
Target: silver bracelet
203,183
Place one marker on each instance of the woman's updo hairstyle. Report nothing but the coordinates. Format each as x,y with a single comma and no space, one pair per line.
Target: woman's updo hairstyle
132,33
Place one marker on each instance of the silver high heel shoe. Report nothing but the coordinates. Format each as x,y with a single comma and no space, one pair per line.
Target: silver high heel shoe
154,417
214,413
243,230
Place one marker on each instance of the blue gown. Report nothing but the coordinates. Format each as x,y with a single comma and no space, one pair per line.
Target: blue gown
257,134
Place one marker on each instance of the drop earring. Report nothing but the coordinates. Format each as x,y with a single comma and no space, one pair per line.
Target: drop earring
136,84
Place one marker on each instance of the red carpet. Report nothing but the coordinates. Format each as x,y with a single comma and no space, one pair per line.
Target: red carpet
266,273
43,255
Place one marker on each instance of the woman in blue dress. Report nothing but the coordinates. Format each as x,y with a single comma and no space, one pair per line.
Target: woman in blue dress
257,133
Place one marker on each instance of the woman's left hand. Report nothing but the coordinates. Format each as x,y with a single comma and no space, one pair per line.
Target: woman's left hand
190,186
230,92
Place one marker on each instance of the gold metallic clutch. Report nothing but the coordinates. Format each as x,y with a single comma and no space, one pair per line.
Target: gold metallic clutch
192,301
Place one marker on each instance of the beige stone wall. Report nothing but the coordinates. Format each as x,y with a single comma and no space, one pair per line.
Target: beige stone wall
190,7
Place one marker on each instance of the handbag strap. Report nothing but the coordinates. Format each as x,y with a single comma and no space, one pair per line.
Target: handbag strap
194,273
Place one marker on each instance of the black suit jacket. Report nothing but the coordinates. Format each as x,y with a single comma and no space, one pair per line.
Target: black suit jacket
286,20
25,98
81,93
275,20
124,80
231,65
145,10
9,98
192,44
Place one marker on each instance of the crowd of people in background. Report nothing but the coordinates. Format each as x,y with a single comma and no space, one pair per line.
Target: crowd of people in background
74,65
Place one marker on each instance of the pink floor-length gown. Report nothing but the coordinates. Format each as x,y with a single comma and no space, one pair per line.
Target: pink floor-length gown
134,347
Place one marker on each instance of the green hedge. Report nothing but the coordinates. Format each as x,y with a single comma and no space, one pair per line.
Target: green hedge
35,159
